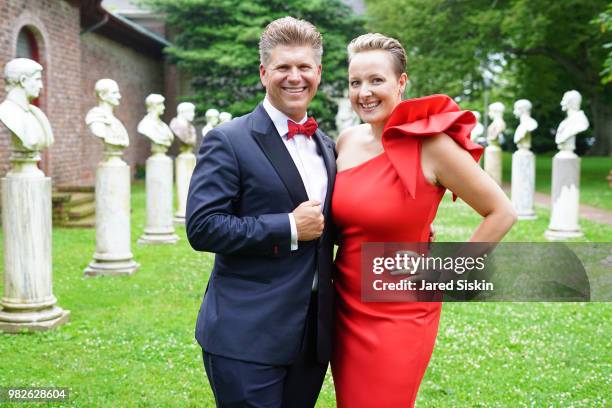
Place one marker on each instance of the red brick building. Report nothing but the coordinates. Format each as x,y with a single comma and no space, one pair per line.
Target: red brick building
79,42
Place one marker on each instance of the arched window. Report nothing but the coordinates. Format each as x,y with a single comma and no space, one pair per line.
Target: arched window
26,45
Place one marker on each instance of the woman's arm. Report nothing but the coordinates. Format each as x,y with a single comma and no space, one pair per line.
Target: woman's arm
446,163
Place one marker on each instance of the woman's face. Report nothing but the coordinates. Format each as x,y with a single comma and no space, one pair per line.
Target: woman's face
374,87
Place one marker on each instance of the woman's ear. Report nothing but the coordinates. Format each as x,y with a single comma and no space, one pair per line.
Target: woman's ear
403,80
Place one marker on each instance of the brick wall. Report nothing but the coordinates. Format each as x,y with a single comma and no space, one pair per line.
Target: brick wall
55,24
72,64
137,76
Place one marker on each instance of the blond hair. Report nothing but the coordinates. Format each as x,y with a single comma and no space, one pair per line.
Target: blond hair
289,31
376,41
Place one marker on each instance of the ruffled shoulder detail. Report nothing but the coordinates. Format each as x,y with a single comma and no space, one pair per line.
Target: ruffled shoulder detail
422,117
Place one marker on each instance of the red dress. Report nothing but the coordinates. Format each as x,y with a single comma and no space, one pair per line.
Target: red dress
381,349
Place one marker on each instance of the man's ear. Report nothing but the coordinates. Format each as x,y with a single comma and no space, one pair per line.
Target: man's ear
22,80
262,75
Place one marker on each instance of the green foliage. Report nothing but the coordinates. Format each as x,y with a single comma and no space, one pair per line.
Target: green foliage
217,42
604,20
535,49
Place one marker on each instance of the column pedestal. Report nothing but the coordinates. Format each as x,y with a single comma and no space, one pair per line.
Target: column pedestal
113,254
493,162
185,163
565,207
28,303
523,183
159,228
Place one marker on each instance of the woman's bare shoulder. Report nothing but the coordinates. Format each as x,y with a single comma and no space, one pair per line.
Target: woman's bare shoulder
353,134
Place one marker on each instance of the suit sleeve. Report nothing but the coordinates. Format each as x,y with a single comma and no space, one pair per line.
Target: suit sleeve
211,223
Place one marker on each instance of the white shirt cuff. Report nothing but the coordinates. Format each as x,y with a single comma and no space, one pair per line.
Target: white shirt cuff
294,235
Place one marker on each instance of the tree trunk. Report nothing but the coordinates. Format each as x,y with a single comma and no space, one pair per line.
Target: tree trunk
601,113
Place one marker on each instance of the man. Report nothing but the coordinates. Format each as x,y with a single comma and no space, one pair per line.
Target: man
260,199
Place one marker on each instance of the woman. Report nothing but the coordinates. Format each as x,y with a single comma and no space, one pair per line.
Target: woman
392,173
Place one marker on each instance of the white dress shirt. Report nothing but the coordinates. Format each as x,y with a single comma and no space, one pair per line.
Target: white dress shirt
309,162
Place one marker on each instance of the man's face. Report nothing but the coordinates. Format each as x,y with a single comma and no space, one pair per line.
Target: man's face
112,96
157,108
188,114
32,85
291,79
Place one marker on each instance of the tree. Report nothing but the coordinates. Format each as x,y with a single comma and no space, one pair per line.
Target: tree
544,48
217,42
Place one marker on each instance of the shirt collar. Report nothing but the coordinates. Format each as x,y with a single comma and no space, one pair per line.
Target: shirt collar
279,118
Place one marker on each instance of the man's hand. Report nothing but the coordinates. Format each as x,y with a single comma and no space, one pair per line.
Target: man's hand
308,220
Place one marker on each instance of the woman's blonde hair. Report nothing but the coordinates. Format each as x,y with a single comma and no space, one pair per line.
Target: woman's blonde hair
376,41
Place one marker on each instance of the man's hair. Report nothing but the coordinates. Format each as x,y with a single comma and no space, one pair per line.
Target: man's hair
376,41
185,106
17,67
103,85
154,99
289,31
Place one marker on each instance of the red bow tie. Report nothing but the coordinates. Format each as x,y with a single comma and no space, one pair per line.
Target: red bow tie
308,128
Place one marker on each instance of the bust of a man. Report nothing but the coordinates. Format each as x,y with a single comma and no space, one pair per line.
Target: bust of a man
181,124
527,124
497,126
225,117
346,116
101,120
575,122
152,126
212,120
478,129
29,126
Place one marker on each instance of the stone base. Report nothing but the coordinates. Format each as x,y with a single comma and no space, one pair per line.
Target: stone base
527,216
153,239
179,219
33,322
556,235
97,268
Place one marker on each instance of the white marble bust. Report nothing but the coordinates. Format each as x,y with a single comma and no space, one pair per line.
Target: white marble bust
212,120
527,124
478,130
225,117
29,126
575,122
152,126
497,126
182,125
101,120
346,116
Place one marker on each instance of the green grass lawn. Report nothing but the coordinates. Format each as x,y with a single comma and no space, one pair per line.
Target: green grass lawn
130,339
594,188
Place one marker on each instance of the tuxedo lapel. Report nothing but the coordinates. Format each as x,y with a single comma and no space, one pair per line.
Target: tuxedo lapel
265,134
327,151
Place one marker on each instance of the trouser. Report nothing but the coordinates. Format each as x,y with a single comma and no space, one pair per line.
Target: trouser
237,383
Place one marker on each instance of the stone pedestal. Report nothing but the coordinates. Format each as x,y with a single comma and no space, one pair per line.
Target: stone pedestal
28,302
493,162
565,197
523,183
185,163
159,228
113,254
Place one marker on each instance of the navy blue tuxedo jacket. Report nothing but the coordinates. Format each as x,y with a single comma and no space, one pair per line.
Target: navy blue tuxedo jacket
243,186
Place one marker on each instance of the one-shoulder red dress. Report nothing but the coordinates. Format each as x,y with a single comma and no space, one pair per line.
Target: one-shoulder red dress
381,349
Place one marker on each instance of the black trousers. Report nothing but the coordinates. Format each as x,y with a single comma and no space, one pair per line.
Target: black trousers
237,383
